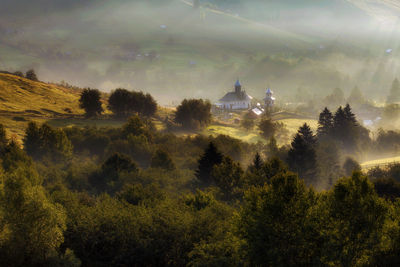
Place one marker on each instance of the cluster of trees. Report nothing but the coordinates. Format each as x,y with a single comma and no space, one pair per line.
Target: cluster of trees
30,74
122,103
193,113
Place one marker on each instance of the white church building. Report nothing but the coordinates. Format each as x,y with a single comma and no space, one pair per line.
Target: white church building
235,100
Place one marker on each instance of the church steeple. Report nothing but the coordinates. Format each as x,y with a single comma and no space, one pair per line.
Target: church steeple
238,87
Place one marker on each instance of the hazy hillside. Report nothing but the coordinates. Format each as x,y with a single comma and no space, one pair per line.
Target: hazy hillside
22,100
173,51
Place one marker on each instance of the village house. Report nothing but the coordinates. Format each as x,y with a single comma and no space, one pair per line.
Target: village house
236,100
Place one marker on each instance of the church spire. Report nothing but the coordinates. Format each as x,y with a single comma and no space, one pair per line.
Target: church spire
238,87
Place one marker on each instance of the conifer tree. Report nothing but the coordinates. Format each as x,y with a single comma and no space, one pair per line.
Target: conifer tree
325,123
302,158
208,160
307,134
257,161
339,124
350,116
256,167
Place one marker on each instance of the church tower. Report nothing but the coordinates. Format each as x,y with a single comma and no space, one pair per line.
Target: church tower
238,88
269,99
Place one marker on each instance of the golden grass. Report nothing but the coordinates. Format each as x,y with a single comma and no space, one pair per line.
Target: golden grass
251,136
24,96
23,100
293,125
379,162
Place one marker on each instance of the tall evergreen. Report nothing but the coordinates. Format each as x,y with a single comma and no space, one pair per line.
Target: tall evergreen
339,124
350,116
346,128
208,160
325,123
307,134
257,161
302,158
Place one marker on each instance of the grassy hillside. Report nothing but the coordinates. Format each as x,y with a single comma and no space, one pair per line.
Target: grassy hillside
22,100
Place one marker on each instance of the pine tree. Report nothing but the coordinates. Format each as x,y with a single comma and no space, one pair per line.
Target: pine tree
302,158
346,128
350,116
256,165
208,160
307,134
325,123
257,162
339,124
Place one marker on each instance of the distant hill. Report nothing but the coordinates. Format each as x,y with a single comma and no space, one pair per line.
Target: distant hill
173,51
22,100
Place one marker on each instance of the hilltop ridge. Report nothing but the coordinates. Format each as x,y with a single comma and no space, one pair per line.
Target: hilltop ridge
22,100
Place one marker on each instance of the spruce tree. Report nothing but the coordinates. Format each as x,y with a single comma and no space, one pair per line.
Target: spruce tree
350,116
257,162
325,123
302,158
339,124
346,128
208,160
307,134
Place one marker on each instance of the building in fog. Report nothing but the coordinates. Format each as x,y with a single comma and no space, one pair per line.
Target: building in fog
236,100
269,100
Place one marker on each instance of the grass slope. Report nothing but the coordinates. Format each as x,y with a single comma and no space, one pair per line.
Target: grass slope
379,162
23,100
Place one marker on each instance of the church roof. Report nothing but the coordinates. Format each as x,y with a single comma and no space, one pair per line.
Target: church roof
232,96
237,83
269,91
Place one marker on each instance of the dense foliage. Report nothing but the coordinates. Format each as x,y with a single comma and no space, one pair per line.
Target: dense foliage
193,113
135,196
124,103
90,102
